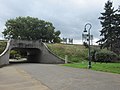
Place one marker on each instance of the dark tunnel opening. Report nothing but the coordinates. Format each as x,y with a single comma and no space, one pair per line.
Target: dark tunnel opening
25,55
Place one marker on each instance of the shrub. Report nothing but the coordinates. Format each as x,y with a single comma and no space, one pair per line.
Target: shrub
85,44
14,54
105,56
93,53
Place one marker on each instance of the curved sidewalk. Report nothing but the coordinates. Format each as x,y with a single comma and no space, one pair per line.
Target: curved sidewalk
12,78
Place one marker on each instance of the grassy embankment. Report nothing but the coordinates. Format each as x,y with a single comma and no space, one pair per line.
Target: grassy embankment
77,55
2,46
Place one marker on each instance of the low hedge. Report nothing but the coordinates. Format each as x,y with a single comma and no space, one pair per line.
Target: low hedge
104,56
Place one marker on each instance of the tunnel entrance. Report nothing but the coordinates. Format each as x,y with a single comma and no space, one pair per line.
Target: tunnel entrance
35,51
25,55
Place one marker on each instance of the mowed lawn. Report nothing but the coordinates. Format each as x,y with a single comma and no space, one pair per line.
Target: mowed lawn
75,53
78,56
105,67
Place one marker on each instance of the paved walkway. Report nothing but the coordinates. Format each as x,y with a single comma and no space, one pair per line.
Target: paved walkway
58,77
55,77
12,78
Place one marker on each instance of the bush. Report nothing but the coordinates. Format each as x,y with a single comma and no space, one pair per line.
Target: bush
105,56
93,53
14,54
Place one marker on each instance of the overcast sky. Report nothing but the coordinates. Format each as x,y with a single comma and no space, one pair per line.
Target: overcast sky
68,16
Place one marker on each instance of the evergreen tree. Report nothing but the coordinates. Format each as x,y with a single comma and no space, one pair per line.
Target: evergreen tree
116,27
107,20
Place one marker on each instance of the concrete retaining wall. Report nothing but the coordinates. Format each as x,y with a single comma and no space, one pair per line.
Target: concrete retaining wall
4,56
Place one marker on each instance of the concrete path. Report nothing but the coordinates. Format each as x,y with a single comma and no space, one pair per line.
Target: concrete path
58,77
12,78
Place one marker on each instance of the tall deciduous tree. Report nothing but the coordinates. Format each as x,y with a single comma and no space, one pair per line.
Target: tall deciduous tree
107,20
29,28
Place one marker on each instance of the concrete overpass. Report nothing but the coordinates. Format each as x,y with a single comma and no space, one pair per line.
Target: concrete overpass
37,51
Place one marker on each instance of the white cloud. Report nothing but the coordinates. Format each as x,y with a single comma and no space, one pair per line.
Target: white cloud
68,16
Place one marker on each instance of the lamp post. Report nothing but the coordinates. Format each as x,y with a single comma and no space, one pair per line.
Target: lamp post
88,26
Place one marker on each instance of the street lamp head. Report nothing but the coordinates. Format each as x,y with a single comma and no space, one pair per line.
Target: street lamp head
87,26
85,30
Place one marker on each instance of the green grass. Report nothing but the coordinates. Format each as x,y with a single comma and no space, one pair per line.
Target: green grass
105,67
2,46
75,53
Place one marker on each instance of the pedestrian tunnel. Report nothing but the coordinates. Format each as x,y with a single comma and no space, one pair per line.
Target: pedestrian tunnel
31,55
36,51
